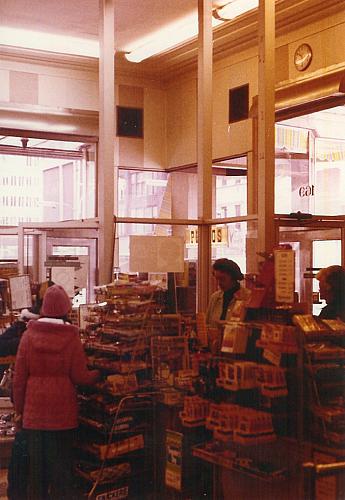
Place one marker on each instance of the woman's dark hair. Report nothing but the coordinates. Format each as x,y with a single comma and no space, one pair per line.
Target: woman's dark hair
335,277
230,267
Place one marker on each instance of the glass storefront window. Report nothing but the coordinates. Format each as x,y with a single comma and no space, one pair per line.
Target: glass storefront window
239,243
329,176
310,163
157,194
46,181
8,247
182,285
230,187
291,169
140,194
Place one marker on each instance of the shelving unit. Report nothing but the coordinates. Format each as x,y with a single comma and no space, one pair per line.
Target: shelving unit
324,374
116,437
253,404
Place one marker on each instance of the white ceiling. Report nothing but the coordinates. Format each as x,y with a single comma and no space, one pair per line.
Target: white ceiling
134,19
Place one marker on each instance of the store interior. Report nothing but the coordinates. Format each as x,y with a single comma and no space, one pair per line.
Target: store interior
127,197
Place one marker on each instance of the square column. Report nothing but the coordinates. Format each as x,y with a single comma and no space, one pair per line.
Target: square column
204,152
106,146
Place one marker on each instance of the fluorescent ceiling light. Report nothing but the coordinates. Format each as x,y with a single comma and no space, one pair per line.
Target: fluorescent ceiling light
166,38
183,30
234,9
49,42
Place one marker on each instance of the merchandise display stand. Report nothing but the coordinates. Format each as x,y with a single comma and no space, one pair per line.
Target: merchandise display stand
324,397
253,409
117,431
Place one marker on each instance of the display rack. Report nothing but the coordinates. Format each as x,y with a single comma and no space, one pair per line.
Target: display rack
115,446
324,372
250,387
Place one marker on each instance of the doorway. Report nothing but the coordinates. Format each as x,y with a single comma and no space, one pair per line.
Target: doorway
64,252
317,244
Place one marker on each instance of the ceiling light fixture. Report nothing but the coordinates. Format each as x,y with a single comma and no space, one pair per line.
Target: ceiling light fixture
233,9
168,37
48,42
173,35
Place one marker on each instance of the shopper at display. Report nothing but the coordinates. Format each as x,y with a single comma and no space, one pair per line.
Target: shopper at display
50,362
228,276
9,343
332,290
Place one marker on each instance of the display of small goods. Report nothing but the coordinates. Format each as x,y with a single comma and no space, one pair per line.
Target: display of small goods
195,411
174,457
243,400
116,414
170,359
235,338
324,371
7,424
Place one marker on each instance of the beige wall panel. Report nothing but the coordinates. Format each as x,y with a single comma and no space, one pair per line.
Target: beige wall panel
131,152
154,128
131,96
328,49
23,87
181,124
68,93
321,26
4,85
67,70
282,67
234,139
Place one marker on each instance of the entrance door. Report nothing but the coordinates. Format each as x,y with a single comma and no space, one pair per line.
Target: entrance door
317,244
63,252
85,275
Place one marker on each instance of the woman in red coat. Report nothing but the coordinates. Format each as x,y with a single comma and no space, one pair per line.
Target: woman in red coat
49,364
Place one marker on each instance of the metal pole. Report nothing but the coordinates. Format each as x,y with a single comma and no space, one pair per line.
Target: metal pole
266,123
204,150
106,141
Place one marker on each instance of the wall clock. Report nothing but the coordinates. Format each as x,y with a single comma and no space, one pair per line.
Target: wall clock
303,57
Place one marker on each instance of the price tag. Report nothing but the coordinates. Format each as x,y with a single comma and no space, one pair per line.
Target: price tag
272,357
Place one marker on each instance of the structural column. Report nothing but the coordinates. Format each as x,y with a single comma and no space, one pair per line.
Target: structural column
266,121
106,144
204,145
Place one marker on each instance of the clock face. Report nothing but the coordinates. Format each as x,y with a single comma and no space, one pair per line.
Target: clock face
303,57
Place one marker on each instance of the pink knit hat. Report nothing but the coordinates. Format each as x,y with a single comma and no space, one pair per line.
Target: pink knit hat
56,302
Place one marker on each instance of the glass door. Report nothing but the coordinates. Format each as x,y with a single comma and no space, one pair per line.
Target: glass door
317,245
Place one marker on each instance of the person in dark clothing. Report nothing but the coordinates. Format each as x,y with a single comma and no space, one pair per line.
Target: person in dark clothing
17,474
332,290
9,340
50,363
228,276
18,466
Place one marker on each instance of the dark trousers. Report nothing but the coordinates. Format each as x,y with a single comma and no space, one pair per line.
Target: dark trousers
17,476
50,464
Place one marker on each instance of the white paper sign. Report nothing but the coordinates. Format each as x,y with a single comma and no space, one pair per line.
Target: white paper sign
156,254
284,275
64,276
20,292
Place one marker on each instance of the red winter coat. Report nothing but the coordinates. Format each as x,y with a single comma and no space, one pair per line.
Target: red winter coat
49,363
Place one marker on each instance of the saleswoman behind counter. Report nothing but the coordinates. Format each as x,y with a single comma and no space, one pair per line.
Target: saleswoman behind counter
228,276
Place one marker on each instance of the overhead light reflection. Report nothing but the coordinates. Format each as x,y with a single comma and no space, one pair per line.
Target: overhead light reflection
186,29
48,42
